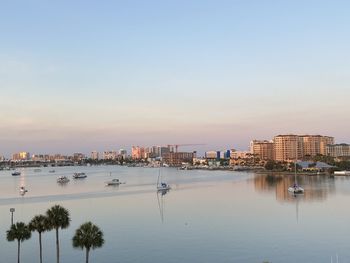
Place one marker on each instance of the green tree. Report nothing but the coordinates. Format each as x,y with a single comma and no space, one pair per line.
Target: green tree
58,217
39,224
20,232
270,165
88,236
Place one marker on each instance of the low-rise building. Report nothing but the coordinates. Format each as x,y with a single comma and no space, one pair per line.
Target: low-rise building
178,158
110,155
338,150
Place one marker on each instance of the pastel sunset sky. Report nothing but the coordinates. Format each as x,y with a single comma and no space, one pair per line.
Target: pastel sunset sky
98,75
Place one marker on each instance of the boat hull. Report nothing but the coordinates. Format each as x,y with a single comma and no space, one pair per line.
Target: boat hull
160,188
296,190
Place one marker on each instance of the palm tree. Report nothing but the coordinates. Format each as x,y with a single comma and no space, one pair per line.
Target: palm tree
88,236
21,232
58,217
40,224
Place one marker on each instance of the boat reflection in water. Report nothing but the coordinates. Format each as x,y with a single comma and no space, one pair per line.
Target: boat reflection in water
316,188
160,199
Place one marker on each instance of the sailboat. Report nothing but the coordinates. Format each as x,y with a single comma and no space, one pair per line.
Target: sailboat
22,190
162,186
295,189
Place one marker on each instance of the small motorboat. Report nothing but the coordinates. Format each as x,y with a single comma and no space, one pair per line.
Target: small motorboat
52,171
16,173
37,170
62,180
114,182
22,190
79,175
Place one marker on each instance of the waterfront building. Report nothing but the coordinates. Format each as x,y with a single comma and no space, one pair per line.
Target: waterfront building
123,153
95,155
178,158
291,147
262,149
212,155
164,150
110,155
137,152
338,150
315,144
239,154
59,158
21,156
288,147
78,157
40,157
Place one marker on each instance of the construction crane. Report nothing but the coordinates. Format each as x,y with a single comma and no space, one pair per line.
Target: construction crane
189,144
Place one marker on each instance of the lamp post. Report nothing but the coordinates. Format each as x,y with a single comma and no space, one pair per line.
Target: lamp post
12,210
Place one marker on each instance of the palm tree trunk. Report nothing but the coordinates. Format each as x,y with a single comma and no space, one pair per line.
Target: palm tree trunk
41,249
87,255
57,247
19,250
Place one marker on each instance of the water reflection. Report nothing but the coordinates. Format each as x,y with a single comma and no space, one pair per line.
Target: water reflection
316,187
160,199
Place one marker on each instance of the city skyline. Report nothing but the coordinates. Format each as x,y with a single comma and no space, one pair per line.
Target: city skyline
133,73
262,146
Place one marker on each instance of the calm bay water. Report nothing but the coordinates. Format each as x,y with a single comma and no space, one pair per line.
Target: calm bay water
208,216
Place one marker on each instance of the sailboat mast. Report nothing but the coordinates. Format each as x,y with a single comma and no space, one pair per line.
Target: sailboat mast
295,163
158,176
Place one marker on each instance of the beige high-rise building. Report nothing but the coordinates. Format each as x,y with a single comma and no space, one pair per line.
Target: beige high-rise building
262,149
315,144
137,152
292,147
21,156
288,147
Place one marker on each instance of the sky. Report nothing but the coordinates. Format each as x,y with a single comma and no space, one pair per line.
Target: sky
77,76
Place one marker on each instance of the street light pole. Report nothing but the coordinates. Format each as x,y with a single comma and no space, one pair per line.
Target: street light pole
12,210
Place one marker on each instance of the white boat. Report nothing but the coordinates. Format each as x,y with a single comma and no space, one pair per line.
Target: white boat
114,182
16,173
162,186
295,189
79,175
22,190
62,179
342,173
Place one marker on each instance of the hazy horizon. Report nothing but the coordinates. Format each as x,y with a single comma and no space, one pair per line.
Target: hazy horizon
82,76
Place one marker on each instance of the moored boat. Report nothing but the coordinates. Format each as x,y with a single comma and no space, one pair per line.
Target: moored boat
16,173
296,189
79,175
62,179
22,190
162,186
114,182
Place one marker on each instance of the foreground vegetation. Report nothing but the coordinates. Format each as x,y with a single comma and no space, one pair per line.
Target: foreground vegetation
87,236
